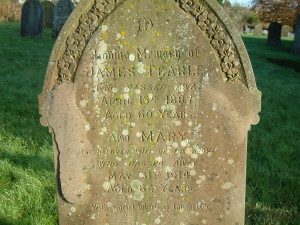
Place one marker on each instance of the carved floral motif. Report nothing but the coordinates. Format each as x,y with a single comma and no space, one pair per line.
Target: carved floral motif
207,22
221,42
88,23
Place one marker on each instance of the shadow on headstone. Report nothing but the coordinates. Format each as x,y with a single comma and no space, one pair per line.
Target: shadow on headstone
48,10
32,21
274,34
62,10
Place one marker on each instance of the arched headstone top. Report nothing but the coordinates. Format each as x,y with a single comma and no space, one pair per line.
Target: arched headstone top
208,15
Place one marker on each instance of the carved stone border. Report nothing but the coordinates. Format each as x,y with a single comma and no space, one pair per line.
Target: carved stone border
76,42
203,15
218,37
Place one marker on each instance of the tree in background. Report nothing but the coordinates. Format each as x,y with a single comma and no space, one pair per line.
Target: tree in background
10,11
281,11
220,2
277,13
240,15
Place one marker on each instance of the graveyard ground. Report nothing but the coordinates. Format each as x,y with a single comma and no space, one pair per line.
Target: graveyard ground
27,182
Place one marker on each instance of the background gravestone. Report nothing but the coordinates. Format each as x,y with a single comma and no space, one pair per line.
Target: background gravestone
247,29
149,110
48,11
274,34
258,29
75,2
62,11
32,20
296,45
286,30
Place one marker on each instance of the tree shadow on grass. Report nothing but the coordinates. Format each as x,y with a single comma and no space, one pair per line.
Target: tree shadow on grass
34,162
4,221
290,64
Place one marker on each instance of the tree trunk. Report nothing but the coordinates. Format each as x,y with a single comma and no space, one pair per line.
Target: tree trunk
274,34
296,46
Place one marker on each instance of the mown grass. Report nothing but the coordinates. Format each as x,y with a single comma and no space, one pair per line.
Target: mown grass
273,184
27,182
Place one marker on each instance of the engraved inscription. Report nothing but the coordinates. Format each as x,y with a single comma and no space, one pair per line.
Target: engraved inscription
145,24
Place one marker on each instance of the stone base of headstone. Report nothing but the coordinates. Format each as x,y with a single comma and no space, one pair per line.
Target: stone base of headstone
274,34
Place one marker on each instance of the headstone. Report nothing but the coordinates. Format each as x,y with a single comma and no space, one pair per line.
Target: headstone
296,45
265,32
286,30
258,29
247,29
291,34
274,34
62,11
239,27
149,104
48,10
32,20
75,2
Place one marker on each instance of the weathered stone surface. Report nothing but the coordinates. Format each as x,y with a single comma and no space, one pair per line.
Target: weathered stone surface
32,20
274,34
296,45
286,30
48,11
258,29
149,104
62,11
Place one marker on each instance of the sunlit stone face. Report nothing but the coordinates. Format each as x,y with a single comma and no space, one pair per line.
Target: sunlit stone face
151,131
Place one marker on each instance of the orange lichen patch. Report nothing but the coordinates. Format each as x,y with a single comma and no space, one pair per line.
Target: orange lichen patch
105,35
123,33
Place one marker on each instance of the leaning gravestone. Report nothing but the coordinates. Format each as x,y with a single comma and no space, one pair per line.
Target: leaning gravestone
258,29
32,20
48,10
62,11
149,104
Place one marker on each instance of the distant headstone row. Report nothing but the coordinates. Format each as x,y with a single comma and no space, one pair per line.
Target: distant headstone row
36,16
286,31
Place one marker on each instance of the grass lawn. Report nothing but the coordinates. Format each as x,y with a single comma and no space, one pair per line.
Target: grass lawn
27,181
